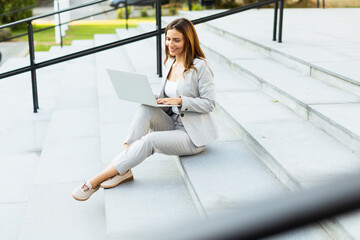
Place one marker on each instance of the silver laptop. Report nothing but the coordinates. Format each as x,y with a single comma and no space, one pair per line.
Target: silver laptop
133,87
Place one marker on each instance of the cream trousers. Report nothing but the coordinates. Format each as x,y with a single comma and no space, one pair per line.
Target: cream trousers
152,130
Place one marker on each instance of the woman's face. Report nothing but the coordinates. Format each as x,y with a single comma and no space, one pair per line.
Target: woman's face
175,42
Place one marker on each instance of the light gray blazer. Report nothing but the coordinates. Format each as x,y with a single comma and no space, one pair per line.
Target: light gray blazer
197,90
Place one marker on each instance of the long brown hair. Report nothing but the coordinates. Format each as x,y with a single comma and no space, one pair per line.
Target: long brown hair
191,42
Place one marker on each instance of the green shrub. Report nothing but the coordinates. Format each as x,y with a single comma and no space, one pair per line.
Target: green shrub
4,34
173,11
197,7
249,1
121,12
11,5
144,12
226,4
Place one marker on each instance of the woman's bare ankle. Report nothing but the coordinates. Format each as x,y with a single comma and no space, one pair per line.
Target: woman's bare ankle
94,184
124,173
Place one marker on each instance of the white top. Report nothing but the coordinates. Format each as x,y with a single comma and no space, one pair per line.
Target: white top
170,91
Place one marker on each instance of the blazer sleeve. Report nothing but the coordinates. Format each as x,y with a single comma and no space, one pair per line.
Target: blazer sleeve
206,101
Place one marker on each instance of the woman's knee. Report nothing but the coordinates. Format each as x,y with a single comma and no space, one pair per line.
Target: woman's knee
148,143
149,109
143,112
150,138
143,109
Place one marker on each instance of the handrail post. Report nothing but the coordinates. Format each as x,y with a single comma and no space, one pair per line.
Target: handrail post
126,14
317,3
61,40
190,5
276,7
158,37
32,66
281,20
323,3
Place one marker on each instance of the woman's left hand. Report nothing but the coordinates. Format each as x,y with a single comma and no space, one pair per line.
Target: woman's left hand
169,101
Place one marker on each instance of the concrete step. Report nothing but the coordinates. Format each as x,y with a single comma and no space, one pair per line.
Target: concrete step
206,185
79,45
314,100
58,51
143,62
308,46
85,43
44,56
22,137
305,158
302,159
228,175
114,114
22,129
148,27
55,51
14,63
72,140
12,50
158,197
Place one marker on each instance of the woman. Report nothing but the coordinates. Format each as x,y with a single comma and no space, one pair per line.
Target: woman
184,130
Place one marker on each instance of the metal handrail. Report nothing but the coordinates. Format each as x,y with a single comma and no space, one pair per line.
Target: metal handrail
33,66
232,11
273,216
245,8
59,19
82,53
64,23
30,32
318,3
259,220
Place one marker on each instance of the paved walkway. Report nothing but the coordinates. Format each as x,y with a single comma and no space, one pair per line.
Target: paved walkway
13,49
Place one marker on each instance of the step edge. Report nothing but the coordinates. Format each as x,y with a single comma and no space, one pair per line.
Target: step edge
191,189
268,50
304,110
331,226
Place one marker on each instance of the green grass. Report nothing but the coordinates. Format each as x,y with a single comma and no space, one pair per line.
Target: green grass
43,47
87,31
45,39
